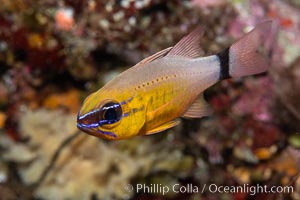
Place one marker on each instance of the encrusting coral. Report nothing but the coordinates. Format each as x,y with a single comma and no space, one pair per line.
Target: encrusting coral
88,166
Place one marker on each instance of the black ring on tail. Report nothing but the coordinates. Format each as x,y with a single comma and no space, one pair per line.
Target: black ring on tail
224,64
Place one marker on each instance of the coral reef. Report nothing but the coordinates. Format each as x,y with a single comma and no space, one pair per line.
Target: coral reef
103,169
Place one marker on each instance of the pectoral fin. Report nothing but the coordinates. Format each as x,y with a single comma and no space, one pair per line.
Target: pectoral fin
163,127
198,109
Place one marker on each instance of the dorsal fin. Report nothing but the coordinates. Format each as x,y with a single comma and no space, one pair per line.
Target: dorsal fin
189,46
155,56
198,109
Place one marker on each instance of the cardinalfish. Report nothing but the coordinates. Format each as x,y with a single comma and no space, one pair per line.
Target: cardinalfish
151,96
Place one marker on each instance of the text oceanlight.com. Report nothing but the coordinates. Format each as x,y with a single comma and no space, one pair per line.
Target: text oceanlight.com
211,188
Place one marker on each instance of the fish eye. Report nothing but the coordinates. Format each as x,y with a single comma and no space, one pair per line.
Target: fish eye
110,113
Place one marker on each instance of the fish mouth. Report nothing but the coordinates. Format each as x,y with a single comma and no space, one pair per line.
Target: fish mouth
83,128
93,132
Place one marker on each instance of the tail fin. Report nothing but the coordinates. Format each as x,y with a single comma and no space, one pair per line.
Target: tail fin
249,55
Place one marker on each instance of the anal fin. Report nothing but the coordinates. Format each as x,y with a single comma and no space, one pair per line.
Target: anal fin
163,127
198,109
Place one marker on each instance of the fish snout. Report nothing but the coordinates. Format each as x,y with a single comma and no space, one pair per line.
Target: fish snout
87,122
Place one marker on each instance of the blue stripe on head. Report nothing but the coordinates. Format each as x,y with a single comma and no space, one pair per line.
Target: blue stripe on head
107,133
95,125
88,114
126,101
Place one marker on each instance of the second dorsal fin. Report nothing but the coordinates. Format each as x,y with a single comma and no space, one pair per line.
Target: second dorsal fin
189,46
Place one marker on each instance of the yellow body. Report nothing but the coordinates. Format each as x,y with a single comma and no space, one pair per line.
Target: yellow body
152,94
